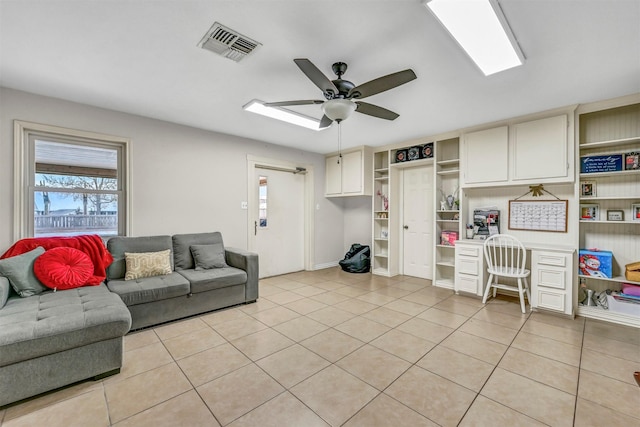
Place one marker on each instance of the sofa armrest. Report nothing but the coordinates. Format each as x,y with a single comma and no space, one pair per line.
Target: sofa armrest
247,261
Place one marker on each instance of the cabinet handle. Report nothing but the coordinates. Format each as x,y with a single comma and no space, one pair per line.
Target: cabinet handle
406,227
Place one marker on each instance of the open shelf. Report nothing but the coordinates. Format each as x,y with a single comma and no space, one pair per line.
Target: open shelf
610,143
595,312
618,279
449,172
595,198
589,221
444,283
602,174
446,263
448,162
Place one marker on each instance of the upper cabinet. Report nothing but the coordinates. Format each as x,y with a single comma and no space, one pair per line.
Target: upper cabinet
540,150
485,156
349,174
518,153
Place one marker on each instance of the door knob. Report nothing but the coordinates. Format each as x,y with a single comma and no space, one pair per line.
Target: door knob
406,227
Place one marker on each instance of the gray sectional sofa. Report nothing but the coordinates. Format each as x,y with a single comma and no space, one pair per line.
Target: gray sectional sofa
54,339
186,290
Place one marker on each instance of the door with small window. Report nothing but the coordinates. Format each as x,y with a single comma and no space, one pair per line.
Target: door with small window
278,226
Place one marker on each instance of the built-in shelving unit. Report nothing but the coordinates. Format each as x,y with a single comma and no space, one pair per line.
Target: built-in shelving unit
447,218
611,130
381,215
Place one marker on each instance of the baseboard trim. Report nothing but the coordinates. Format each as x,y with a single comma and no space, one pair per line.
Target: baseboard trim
325,265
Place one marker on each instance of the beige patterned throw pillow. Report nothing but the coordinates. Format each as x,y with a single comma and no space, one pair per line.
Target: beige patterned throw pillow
147,264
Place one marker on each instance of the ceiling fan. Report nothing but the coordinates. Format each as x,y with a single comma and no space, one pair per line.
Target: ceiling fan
342,96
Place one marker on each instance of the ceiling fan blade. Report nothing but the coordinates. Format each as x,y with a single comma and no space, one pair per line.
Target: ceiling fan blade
375,111
381,84
316,76
325,122
298,102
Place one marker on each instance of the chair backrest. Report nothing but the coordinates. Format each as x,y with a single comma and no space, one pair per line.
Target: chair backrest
504,252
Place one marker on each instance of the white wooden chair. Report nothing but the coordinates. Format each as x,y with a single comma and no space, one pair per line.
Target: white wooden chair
506,257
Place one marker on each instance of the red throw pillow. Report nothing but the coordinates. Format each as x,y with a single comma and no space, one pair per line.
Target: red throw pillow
63,268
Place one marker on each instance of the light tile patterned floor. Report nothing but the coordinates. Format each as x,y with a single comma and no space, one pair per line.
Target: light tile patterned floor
328,348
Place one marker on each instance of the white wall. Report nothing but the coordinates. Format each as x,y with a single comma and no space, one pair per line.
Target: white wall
477,198
183,179
357,221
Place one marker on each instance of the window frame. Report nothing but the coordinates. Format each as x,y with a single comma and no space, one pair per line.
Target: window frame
25,187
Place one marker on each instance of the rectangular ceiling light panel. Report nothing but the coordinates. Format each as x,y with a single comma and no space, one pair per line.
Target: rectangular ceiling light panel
480,28
279,113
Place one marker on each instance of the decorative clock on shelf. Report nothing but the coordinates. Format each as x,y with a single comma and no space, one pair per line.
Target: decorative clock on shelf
414,153
401,156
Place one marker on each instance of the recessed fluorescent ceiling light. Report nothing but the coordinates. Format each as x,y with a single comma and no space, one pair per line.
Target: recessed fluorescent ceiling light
279,113
482,30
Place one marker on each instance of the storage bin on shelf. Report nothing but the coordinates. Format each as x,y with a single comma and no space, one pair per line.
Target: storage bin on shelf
595,263
632,271
448,238
618,305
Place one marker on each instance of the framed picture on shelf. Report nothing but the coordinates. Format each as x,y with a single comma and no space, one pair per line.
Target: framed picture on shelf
632,161
587,188
615,215
590,212
635,212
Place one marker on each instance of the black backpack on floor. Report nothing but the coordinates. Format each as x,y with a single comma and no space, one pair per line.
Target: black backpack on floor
357,260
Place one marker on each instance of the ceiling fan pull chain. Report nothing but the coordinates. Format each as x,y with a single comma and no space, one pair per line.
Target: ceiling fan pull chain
339,141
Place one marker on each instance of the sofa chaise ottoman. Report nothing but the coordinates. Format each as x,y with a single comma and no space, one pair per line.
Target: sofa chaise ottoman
183,284
54,339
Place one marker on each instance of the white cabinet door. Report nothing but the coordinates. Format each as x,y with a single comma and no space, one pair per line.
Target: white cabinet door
352,174
333,178
485,156
540,149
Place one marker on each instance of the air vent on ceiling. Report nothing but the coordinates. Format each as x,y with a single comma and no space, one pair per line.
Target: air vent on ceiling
227,42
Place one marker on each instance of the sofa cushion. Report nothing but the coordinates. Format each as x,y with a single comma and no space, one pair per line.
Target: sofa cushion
5,290
52,322
147,264
63,268
182,243
206,257
149,289
19,270
216,278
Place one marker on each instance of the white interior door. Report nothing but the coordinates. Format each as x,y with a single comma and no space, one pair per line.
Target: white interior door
279,221
417,196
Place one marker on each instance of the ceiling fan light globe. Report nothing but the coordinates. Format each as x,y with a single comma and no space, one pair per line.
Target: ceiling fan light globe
338,109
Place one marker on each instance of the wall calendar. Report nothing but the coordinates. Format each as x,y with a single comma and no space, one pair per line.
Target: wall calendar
538,215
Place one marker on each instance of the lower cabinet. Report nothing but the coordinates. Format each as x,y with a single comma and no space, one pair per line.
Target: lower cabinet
551,281
470,267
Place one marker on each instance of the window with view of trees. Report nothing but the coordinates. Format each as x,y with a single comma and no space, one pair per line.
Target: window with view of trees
76,183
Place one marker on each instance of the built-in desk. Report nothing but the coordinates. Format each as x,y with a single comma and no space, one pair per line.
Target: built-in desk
552,270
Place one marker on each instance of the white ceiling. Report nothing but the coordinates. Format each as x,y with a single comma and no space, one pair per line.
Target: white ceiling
141,57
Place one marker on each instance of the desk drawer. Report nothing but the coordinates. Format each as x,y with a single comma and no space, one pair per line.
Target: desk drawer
469,251
467,283
551,277
467,265
551,258
551,300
